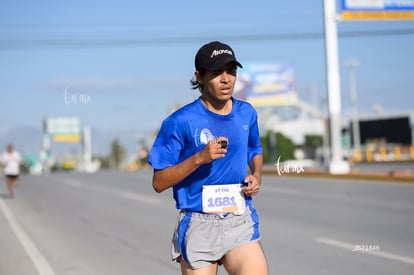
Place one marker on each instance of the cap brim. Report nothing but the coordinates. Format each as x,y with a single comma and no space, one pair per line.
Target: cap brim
238,64
220,65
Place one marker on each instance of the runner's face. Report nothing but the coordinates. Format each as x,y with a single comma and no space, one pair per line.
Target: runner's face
219,85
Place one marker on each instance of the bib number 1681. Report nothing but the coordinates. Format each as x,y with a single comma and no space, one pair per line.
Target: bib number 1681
222,201
223,198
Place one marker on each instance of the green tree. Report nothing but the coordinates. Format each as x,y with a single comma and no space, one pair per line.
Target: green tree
117,153
285,148
105,161
277,145
312,142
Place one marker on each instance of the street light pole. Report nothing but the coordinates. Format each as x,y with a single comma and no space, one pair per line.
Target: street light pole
352,64
337,164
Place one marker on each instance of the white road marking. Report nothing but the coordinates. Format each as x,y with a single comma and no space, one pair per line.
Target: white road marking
123,194
138,197
41,264
378,253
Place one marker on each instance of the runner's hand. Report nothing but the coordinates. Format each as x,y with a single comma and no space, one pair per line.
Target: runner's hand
213,150
253,185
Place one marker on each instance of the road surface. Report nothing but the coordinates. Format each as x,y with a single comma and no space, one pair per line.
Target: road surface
113,222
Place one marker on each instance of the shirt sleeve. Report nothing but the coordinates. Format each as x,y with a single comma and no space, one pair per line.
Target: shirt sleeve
254,145
168,144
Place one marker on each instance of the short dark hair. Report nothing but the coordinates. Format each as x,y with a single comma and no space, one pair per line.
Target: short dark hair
195,84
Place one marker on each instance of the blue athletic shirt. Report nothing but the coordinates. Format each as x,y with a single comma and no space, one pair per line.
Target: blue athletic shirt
188,130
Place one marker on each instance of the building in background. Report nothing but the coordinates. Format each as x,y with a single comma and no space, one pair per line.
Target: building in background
271,89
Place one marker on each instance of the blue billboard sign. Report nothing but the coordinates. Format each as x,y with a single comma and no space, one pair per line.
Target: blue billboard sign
377,5
266,84
377,9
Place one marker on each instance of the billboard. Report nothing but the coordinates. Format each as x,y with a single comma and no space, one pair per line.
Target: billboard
378,9
64,129
268,84
395,130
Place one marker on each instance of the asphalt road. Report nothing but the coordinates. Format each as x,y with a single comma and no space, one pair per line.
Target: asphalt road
114,223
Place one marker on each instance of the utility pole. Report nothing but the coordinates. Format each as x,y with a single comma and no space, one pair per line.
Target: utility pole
352,64
337,165
314,96
87,148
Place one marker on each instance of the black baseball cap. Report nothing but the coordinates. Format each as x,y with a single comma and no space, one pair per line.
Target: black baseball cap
214,56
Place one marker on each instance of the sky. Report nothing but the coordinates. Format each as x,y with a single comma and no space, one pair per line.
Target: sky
120,65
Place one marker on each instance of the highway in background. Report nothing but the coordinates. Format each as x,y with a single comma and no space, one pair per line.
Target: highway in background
114,223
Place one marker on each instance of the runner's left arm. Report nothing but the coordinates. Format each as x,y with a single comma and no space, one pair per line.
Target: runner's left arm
255,178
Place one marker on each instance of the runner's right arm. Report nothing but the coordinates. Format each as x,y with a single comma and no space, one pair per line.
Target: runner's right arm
170,176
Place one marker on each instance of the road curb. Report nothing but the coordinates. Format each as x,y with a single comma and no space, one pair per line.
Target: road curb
393,176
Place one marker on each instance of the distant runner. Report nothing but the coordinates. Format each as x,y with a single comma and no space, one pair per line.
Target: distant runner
11,160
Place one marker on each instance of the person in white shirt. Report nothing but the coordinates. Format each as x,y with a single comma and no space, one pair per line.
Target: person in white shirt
11,160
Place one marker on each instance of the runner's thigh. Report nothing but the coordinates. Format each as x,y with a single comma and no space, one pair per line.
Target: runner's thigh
247,259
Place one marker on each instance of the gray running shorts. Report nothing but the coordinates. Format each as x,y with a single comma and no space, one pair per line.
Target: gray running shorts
202,239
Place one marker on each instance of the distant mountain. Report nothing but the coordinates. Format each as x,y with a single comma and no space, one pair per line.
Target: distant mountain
28,140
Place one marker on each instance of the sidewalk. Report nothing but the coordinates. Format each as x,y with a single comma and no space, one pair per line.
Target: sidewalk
397,175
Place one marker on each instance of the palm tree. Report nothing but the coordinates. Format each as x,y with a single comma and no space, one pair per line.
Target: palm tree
117,153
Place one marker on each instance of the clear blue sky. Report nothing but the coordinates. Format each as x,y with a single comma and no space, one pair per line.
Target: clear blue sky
129,61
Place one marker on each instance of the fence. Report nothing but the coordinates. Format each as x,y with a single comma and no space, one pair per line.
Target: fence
383,153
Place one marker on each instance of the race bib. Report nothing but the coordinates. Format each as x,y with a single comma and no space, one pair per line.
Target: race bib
223,198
